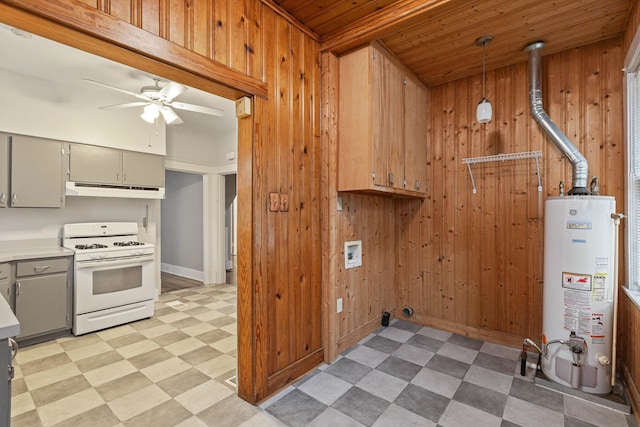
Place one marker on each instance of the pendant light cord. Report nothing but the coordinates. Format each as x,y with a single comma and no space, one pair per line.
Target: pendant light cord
483,70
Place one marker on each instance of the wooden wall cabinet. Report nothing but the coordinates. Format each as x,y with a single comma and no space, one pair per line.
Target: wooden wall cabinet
381,126
100,165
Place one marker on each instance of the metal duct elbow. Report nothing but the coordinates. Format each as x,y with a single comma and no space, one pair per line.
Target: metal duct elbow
578,161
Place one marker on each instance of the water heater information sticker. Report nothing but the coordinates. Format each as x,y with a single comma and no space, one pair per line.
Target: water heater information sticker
577,302
578,282
597,328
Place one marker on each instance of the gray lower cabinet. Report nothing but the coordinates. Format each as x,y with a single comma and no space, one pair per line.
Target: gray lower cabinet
43,296
4,170
5,283
6,375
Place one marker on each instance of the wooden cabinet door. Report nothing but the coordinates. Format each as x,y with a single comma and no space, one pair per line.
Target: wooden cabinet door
36,172
4,170
415,136
388,152
142,170
94,165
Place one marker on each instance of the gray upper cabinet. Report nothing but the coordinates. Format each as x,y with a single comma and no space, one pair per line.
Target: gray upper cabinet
108,166
4,170
94,165
142,170
36,172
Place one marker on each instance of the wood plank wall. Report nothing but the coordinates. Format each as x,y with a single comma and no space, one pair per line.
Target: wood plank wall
483,272
472,263
198,42
629,336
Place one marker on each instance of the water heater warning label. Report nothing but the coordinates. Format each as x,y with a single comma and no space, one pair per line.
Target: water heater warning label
577,282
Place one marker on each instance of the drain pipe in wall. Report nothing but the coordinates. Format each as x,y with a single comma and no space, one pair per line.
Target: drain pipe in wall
580,166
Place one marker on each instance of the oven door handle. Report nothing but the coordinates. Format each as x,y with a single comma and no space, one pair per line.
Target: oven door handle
133,260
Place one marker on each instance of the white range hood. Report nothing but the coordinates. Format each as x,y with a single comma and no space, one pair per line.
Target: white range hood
91,190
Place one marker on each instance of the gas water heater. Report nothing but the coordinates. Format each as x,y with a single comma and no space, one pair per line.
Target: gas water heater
577,314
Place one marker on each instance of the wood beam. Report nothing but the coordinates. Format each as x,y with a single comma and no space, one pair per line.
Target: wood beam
400,15
89,23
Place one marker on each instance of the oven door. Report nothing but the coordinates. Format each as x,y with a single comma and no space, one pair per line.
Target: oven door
101,284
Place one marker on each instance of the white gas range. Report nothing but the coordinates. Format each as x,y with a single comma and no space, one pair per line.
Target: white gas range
114,274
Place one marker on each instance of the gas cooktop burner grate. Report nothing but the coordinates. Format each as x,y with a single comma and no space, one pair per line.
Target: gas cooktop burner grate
92,246
127,243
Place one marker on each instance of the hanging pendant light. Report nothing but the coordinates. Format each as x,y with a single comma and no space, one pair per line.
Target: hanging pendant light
484,110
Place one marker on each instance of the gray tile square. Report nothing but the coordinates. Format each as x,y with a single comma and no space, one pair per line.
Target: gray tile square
586,411
495,363
383,344
527,414
448,366
537,395
458,414
367,356
422,402
481,398
467,342
325,387
296,409
413,354
361,405
406,326
399,368
427,343
382,385
396,416
331,417
348,370
437,382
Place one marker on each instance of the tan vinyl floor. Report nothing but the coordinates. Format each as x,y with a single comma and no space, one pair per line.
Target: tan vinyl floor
176,369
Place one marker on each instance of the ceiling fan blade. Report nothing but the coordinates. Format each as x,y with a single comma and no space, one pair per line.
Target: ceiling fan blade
128,105
197,108
170,116
171,90
137,95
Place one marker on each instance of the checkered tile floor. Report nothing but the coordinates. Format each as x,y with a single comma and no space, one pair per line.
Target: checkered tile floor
176,369
408,375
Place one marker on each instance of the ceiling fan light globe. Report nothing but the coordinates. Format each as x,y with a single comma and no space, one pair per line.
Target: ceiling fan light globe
484,111
150,114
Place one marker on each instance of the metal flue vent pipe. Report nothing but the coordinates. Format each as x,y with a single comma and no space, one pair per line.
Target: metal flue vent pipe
580,166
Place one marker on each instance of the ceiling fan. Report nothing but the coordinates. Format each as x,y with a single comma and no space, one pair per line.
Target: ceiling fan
159,100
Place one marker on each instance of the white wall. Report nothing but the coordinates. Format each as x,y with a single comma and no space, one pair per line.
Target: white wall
192,144
182,225
36,107
42,223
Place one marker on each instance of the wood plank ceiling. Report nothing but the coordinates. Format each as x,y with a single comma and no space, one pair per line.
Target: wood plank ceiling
436,38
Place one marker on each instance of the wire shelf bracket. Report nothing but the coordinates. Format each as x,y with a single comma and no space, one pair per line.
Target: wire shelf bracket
503,158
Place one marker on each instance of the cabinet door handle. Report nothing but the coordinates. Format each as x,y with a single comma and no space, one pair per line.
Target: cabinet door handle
3,198
14,348
40,269
417,184
14,198
124,177
118,176
391,179
17,288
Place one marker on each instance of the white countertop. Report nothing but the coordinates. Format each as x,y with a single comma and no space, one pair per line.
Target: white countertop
9,326
32,249
7,255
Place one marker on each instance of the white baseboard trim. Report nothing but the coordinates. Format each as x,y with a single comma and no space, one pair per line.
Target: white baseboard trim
182,272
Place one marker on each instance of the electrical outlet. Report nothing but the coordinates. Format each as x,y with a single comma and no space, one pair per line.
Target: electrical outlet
339,305
284,202
274,202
